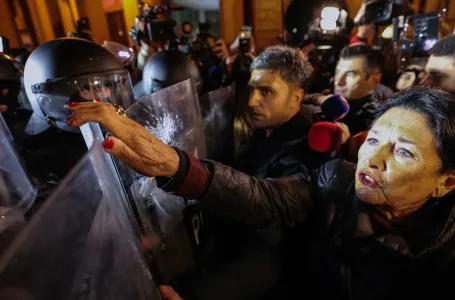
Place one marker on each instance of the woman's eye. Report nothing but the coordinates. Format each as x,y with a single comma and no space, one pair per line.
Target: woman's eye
404,153
372,141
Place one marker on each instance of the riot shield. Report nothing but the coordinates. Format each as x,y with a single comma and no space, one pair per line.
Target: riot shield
173,116
16,189
17,193
170,229
217,111
79,245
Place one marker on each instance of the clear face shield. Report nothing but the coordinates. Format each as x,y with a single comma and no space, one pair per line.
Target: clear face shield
52,97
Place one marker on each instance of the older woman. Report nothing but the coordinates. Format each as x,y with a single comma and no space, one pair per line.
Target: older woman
382,230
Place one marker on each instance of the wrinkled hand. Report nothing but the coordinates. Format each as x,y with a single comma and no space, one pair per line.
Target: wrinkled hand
168,293
221,50
131,143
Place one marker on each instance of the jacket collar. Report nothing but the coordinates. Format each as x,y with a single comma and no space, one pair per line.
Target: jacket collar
423,236
294,129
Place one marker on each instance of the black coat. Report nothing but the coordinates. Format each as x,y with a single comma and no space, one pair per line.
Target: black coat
346,256
284,153
251,259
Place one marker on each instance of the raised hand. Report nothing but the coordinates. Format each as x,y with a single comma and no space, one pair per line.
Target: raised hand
131,143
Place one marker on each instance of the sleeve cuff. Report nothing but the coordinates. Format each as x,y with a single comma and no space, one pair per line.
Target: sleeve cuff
190,181
171,184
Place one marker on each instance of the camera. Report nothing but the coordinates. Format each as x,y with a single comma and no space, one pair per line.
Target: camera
161,31
381,12
426,33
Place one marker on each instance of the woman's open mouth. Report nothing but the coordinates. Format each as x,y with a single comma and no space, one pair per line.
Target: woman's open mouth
367,180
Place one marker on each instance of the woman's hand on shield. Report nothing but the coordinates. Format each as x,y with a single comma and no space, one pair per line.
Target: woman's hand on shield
131,142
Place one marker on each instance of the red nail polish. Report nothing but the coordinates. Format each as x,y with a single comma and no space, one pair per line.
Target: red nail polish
97,100
108,143
72,104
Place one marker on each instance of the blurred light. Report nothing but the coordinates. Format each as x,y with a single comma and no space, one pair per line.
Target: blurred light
429,43
124,54
330,12
294,30
388,32
324,47
343,16
328,24
329,17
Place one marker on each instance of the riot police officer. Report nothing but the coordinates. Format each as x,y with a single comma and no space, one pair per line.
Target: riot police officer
57,73
164,69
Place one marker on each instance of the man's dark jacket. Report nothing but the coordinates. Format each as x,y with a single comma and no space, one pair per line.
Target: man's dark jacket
284,153
254,257
348,256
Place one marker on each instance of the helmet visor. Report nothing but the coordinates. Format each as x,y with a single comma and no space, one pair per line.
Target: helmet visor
53,97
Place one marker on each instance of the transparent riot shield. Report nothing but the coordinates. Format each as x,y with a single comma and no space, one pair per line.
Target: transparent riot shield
217,111
16,190
170,229
173,116
17,193
79,245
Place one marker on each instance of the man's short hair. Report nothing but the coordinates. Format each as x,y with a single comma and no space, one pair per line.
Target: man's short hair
290,62
374,59
445,47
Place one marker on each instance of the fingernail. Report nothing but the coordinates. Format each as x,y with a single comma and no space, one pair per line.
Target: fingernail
72,104
69,119
97,100
108,143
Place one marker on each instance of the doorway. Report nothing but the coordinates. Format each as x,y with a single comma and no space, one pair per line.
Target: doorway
117,27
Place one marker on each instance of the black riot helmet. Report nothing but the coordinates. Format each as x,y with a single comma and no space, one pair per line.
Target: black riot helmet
10,82
168,68
72,70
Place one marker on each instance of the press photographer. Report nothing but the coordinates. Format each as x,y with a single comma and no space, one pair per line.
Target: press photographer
150,33
327,33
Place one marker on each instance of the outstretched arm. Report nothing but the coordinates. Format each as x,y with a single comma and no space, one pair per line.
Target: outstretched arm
217,187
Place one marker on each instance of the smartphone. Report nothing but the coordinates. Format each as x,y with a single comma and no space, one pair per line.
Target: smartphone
245,39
